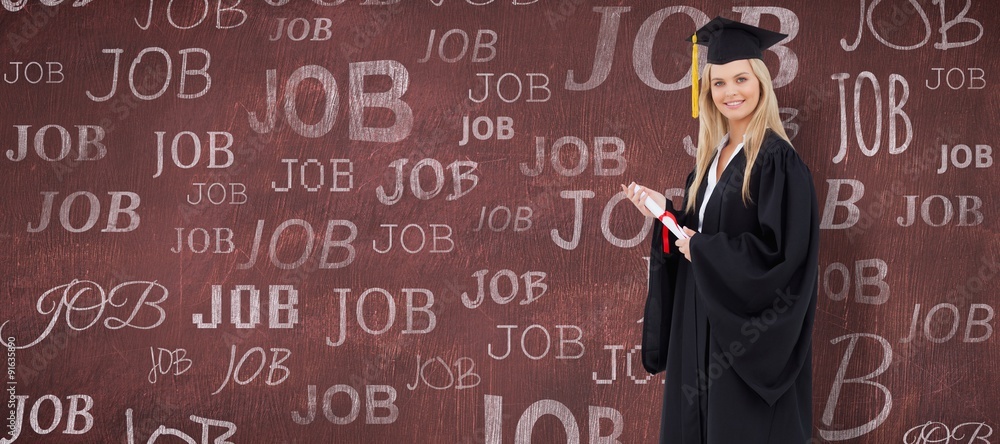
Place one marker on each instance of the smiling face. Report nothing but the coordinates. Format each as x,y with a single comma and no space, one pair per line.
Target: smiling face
735,91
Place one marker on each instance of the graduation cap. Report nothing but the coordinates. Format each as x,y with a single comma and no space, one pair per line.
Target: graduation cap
728,40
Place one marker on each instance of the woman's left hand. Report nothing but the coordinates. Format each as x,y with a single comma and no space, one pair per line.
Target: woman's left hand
684,245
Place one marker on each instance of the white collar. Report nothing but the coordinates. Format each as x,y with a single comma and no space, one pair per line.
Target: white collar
712,182
725,140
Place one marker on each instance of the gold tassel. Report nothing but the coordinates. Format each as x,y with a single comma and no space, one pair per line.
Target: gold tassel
694,76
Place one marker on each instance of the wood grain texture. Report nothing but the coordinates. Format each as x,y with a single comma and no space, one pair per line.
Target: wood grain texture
598,287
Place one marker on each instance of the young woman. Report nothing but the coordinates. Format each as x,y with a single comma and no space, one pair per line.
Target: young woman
730,309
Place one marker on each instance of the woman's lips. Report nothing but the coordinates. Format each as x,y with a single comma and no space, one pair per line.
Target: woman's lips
734,104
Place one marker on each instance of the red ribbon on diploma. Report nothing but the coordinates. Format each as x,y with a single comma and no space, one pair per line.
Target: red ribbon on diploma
666,239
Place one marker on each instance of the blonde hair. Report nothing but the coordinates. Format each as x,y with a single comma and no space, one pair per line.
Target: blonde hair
713,126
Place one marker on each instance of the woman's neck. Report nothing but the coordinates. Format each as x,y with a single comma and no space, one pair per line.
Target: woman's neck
737,131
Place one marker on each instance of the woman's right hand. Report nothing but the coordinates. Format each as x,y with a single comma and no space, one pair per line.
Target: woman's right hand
639,197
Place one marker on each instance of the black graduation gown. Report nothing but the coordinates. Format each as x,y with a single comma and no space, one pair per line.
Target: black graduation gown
733,327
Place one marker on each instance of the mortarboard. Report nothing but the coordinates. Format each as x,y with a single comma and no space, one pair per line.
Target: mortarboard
727,40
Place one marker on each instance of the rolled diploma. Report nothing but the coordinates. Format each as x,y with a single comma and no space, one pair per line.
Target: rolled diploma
663,216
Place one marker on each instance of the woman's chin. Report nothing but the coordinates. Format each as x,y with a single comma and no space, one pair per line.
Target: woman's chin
736,117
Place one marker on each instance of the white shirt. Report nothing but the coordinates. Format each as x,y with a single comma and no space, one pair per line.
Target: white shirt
712,181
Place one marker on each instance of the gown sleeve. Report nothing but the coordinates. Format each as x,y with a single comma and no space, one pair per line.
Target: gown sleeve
760,287
660,296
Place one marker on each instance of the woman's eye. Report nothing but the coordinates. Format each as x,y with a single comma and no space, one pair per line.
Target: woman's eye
717,83
741,79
